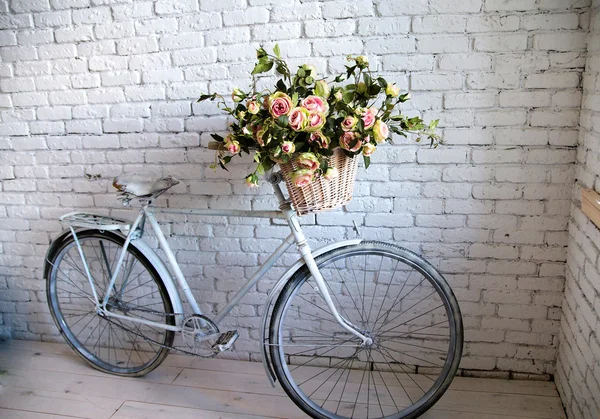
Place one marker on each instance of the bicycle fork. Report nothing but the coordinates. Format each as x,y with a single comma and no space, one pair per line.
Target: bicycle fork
304,249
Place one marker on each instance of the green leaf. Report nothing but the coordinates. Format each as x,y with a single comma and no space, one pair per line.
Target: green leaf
403,97
348,97
262,67
217,137
283,121
281,69
433,124
309,80
276,51
260,169
204,97
260,53
281,86
301,72
367,160
382,82
374,90
295,99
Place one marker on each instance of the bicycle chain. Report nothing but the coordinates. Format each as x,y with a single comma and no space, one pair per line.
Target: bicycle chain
147,339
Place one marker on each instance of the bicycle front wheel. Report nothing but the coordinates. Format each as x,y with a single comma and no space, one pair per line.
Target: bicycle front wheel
391,295
113,345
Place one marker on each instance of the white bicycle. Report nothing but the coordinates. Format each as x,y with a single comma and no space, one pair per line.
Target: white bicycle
355,329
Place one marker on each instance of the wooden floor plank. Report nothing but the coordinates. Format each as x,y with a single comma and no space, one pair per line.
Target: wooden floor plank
136,410
44,380
74,364
115,387
58,403
24,414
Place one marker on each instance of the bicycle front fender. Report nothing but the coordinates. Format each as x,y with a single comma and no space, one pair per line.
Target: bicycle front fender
275,292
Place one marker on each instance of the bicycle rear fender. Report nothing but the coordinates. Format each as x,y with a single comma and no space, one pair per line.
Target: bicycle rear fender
147,251
275,292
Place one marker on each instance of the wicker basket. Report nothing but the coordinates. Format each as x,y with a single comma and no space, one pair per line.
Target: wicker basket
322,194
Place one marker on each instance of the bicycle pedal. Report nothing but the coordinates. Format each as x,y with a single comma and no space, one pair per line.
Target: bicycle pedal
225,341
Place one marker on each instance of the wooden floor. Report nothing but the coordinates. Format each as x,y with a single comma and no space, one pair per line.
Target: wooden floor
44,380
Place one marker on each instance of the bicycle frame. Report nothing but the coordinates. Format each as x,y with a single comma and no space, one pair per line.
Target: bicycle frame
296,236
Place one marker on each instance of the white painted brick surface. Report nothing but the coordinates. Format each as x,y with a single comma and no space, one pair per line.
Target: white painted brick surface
578,366
104,87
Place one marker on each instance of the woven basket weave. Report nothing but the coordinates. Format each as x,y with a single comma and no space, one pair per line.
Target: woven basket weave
322,194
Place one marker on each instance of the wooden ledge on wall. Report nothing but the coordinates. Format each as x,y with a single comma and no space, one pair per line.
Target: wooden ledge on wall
590,205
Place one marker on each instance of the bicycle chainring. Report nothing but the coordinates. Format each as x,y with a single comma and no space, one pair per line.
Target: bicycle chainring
198,333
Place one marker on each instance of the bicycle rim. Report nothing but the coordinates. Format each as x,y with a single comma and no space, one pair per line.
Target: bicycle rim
394,297
113,345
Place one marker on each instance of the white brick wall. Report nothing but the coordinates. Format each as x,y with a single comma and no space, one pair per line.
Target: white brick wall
578,367
99,87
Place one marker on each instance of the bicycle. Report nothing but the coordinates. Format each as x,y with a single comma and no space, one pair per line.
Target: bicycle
353,329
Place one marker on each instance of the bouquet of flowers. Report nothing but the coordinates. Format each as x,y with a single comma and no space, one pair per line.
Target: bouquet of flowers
305,118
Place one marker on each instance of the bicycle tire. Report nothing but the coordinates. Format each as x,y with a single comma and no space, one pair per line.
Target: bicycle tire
282,361
67,288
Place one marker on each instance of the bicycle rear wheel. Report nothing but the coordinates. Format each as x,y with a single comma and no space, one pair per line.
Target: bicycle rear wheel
393,296
110,344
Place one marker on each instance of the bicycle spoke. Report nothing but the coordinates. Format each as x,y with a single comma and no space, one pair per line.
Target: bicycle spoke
108,342
339,375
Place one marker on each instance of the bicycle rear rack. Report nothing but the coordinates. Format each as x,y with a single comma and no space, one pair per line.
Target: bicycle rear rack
95,221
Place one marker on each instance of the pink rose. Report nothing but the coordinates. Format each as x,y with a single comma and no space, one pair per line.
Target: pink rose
368,149
307,161
348,141
298,119
232,145
331,173
318,137
252,181
302,177
279,104
315,104
253,107
260,138
316,121
368,117
288,147
349,123
380,131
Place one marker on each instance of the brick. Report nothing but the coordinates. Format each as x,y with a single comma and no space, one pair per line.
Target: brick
552,80
560,42
180,41
132,11
436,81
433,24
492,23
164,7
24,6
200,22
115,30
249,16
509,5
511,99
502,42
156,26
132,46
194,56
465,62
383,26
53,19
442,44
231,36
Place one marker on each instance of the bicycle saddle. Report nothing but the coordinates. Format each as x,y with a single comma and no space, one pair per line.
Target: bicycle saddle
143,184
